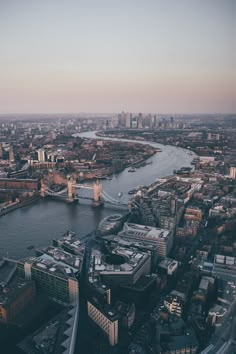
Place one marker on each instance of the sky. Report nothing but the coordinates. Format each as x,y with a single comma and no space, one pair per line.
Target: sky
157,56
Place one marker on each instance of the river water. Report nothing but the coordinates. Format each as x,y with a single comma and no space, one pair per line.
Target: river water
38,223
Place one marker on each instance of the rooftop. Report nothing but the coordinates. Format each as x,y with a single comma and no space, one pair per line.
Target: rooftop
70,243
183,341
56,261
146,232
13,288
56,336
62,257
131,258
167,262
127,242
119,260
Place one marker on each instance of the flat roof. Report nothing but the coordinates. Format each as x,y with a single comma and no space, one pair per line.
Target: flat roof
167,262
56,261
132,259
147,232
12,289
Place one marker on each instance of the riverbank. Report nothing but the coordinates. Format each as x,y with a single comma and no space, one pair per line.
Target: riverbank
134,138
19,205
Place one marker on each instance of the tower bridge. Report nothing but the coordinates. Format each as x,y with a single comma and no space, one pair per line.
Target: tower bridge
69,193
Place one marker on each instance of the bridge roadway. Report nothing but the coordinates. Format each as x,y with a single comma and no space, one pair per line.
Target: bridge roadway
105,196
106,203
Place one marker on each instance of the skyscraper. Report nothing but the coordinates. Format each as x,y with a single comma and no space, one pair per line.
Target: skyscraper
140,121
11,154
127,120
41,155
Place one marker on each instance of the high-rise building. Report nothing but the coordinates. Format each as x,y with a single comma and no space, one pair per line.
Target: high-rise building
127,120
155,121
140,121
232,172
55,273
134,122
106,320
11,154
121,120
41,155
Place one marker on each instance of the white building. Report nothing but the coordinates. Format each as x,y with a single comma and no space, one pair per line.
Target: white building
41,155
168,265
160,237
232,172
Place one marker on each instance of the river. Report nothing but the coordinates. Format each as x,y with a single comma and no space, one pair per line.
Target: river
38,223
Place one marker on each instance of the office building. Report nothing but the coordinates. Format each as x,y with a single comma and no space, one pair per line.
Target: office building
41,155
232,172
162,238
120,266
134,122
71,244
11,154
193,213
127,120
107,321
14,298
140,121
168,266
140,245
55,273
110,224
186,343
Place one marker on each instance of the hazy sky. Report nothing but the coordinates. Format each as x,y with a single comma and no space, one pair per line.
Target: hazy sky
169,56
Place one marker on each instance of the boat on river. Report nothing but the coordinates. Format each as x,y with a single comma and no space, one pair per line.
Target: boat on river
132,191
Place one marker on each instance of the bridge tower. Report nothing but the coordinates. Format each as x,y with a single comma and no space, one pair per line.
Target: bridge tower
43,188
71,190
97,193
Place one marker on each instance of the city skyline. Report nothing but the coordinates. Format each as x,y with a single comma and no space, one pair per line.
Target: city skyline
152,56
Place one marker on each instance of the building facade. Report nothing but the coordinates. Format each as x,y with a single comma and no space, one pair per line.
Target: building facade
107,322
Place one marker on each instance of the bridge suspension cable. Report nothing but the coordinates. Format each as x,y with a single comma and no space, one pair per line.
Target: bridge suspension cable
112,200
49,191
105,194
83,186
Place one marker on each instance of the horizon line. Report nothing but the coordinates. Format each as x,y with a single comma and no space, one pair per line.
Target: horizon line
112,113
